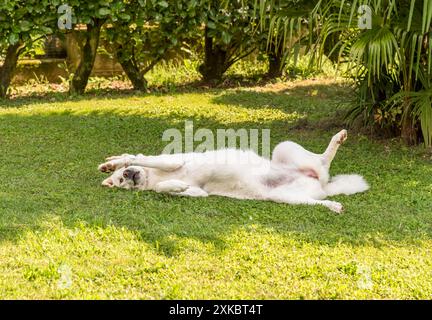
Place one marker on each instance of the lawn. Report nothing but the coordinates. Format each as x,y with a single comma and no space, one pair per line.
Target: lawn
62,235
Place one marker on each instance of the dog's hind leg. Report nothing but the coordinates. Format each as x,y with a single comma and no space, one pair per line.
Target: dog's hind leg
291,154
330,152
332,205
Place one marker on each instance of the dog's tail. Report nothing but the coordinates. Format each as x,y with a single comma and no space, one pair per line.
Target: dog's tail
346,184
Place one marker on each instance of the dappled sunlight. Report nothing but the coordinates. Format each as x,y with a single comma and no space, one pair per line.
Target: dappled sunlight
315,101
198,106
308,87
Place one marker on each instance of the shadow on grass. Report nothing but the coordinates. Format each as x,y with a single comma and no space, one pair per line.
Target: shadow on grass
51,160
323,105
51,95
99,94
310,90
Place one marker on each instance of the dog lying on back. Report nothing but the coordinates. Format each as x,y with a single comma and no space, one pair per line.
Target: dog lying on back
293,175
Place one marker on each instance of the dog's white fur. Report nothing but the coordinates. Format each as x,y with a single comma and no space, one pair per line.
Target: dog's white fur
293,175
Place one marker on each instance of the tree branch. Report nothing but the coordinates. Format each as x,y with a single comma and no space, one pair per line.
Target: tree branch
152,64
234,60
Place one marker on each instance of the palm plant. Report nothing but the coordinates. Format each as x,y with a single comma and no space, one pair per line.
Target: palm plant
391,61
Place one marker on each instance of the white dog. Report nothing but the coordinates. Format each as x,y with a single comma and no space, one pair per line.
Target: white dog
293,175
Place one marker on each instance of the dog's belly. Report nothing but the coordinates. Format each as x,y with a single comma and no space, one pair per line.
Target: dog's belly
300,187
274,181
227,180
235,189
228,172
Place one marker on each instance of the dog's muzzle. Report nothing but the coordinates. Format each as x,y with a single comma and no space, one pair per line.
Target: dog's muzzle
131,174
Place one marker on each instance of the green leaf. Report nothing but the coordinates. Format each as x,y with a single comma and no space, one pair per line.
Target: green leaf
226,37
25,25
211,25
124,16
13,38
104,11
163,4
46,30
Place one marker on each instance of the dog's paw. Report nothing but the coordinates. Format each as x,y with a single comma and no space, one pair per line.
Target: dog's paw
113,165
107,167
342,136
335,206
115,162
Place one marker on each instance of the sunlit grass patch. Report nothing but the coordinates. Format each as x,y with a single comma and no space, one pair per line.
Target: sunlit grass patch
184,106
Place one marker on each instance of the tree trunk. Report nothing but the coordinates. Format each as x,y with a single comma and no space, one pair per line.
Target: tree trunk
139,83
275,66
7,70
215,61
132,71
276,62
331,42
87,59
408,131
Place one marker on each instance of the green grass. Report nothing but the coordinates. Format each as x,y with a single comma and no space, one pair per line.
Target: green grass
57,223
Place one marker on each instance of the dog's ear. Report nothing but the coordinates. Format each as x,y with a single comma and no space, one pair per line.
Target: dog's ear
108,182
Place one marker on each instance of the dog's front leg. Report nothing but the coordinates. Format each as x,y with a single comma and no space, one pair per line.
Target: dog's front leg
192,192
172,186
164,162
115,162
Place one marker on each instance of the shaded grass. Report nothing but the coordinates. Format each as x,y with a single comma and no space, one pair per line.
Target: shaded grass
123,244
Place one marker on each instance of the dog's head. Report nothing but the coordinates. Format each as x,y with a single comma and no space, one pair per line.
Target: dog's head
132,177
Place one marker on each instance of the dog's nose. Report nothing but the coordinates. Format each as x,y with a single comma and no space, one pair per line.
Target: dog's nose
128,174
132,175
